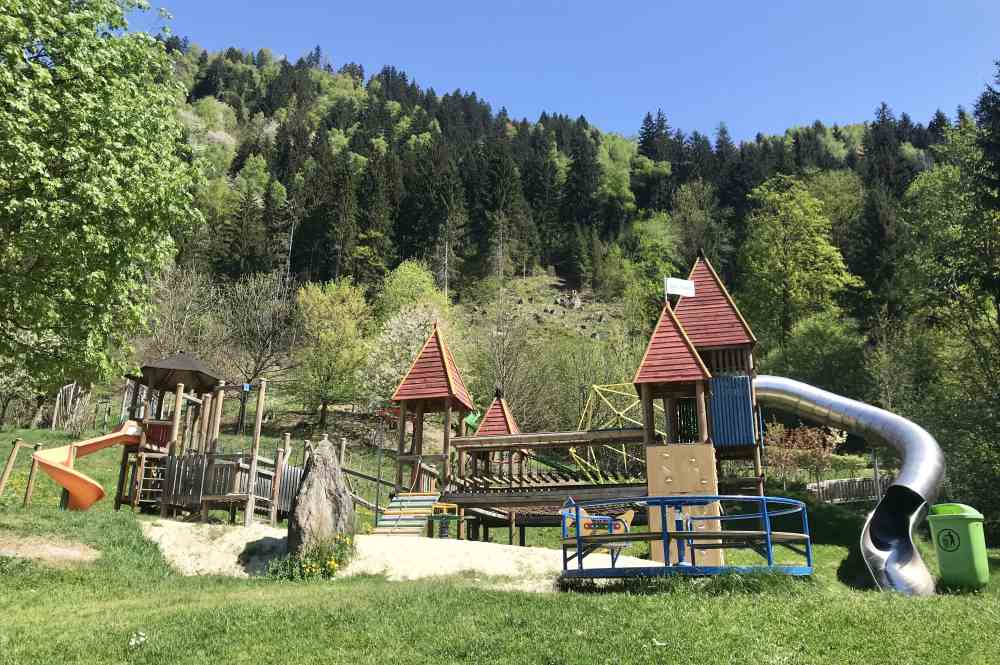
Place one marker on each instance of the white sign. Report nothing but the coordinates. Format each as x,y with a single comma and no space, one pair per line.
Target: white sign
678,287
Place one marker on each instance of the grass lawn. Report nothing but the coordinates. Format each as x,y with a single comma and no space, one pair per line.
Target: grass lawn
90,613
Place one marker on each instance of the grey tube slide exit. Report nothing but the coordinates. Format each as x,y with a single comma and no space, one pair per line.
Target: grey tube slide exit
887,537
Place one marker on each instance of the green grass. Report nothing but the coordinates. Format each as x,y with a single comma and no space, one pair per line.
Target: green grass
88,614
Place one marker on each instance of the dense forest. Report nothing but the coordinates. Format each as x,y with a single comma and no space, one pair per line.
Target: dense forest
865,256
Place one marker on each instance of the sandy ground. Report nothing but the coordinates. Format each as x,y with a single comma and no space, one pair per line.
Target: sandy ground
206,549
52,552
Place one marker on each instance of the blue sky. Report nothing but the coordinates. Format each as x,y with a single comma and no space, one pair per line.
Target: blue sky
759,66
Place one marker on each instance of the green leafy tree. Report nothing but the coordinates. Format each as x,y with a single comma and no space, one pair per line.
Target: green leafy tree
95,181
791,267
335,319
408,284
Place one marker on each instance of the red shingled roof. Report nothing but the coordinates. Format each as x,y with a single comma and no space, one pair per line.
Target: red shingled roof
670,357
434,375
498,420
711,318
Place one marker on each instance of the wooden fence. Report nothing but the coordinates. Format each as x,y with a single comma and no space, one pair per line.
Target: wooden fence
847,490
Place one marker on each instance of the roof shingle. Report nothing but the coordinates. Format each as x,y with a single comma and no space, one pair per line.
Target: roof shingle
434,375
711,318
670,356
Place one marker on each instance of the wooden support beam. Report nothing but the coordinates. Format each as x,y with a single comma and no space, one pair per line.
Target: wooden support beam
446,445
204,420
255,450
9,466
400,449
699,390
536,439
279,474
32,474
120,486
220,394
648,422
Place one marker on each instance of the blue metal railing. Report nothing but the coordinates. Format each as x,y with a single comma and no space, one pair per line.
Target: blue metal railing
582,534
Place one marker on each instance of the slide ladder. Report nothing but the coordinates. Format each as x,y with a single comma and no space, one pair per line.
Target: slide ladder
407,514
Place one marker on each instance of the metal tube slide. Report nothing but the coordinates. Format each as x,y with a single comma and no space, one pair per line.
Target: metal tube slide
887,538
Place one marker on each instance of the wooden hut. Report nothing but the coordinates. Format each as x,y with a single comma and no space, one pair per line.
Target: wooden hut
433,384
671,369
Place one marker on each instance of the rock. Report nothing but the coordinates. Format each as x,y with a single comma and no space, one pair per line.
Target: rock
323,507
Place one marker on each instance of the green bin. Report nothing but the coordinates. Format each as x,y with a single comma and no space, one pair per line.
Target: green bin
957,530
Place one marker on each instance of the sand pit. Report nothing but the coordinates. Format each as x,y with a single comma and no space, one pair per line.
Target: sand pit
206,549
57,553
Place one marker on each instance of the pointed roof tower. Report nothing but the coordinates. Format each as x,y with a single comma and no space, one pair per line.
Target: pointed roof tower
710,317
670,356
434,377
498,420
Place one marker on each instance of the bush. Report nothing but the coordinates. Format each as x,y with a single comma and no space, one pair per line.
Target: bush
318,560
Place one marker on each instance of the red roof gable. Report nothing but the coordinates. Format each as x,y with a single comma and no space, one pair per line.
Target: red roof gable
434,375
711,318
670,357
498,420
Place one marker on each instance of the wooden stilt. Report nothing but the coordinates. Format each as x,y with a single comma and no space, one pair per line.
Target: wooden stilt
9,466
166,495
32,474
400,449
648,422
120,487
279,470
446,445
699,390
255,452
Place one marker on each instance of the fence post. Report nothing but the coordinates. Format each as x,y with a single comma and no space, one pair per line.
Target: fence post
252,479
343,450
9,466
30,489
279,473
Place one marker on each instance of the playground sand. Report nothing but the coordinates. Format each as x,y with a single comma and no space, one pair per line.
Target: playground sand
211,549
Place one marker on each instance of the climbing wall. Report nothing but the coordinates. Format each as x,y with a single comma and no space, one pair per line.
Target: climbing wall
678,470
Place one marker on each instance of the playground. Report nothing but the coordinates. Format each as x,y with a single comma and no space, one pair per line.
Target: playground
652,522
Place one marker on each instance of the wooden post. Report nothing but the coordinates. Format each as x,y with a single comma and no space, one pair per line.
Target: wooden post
166,495
699,390
446,445
521,536
252,480
220,394
64,499
9,466
670,420
400,449
512,516
147,409
32,473
461,422
160,401
140,470
205,419
648,422
55,409
120,487
341,454
279,470
134,400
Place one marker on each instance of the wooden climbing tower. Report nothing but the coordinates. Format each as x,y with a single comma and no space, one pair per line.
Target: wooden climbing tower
433,384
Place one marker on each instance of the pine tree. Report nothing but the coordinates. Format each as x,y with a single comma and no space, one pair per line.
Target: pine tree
582,181
647,137
938,126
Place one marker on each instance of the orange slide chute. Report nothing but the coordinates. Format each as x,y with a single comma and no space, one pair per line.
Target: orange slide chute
83,490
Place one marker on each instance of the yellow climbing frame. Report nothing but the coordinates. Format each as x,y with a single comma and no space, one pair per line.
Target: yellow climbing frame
615,406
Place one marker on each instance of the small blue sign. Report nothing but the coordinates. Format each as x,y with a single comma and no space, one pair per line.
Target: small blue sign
246,387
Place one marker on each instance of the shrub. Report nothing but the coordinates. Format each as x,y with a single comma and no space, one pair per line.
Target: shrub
319,560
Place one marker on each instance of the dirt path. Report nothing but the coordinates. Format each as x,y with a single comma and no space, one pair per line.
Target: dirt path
59,553
204,549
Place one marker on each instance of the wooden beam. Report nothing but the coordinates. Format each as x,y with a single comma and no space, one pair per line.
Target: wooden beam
497,442
401,445
32,474
446,444
648,421
217,401
9,466
699,389
255,450
279,468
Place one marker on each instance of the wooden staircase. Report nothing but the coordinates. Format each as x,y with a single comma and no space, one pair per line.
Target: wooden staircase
407,514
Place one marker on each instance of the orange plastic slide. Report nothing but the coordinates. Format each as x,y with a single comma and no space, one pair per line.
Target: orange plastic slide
84,491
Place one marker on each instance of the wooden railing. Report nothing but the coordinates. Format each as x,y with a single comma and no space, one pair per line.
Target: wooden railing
556,459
